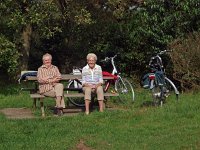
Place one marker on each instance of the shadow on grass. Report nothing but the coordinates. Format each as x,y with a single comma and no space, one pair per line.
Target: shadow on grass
148,104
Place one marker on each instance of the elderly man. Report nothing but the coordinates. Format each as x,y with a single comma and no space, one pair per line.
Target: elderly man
92,81
48,77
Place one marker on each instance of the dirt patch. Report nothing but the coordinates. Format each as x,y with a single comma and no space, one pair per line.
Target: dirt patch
17,113
82,146
27,113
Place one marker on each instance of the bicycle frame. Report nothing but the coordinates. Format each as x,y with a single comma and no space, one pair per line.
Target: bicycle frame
113,74
114,71
157,69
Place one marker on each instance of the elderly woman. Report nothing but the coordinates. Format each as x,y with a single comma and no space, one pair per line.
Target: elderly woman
48,77
92,81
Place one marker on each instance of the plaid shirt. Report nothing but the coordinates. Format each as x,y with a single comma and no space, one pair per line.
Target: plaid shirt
51,73
92,76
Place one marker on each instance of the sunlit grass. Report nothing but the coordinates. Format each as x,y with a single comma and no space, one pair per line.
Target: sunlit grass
174,126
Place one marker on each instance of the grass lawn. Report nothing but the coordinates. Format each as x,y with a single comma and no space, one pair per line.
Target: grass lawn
174,126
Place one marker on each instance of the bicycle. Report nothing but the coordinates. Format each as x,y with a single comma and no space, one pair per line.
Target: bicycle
157,81
121,85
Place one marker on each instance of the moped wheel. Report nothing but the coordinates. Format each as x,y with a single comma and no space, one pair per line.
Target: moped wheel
125,90
77,101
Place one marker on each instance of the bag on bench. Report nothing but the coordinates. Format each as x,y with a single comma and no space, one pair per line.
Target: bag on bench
24,74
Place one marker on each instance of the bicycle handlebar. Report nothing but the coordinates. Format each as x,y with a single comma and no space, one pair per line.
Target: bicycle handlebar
158,58
109,58
164,51
160,53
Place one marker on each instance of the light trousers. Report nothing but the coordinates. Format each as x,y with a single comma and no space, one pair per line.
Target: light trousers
58,93
88,92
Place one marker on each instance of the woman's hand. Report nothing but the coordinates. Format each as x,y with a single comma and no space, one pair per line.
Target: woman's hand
97,85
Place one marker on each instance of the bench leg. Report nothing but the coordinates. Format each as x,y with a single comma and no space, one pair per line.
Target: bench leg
42,107
34,103
104,105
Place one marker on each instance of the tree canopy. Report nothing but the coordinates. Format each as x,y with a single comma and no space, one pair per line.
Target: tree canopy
69,29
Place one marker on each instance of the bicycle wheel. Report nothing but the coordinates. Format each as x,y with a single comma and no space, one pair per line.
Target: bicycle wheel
170,88
125,90
157,93
77,101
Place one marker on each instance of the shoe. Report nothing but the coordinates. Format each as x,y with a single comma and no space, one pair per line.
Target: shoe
55,111
58,111
87,112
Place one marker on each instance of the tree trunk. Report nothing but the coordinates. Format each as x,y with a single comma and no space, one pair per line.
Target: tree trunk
26,43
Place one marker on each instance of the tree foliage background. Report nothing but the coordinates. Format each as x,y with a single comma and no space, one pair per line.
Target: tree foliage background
69,29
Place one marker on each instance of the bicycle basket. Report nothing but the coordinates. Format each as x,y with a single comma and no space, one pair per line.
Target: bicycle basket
76,72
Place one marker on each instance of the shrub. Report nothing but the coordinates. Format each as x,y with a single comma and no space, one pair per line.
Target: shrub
8,56
186,60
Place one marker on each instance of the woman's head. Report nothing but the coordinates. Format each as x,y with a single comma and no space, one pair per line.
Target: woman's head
91,60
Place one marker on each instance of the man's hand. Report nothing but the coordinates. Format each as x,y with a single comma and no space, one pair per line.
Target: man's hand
56,79
49,80
45,79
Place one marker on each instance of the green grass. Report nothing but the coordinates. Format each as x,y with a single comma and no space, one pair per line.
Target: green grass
174,126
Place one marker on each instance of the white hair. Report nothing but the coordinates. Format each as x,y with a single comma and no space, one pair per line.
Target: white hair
92,55
46,55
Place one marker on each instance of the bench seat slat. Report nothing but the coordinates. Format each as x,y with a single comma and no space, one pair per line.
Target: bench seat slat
74,95
37,95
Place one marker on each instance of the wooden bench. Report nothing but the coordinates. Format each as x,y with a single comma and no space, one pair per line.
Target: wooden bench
36,96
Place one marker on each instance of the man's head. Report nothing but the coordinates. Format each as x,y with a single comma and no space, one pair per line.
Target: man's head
91,60
47,59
